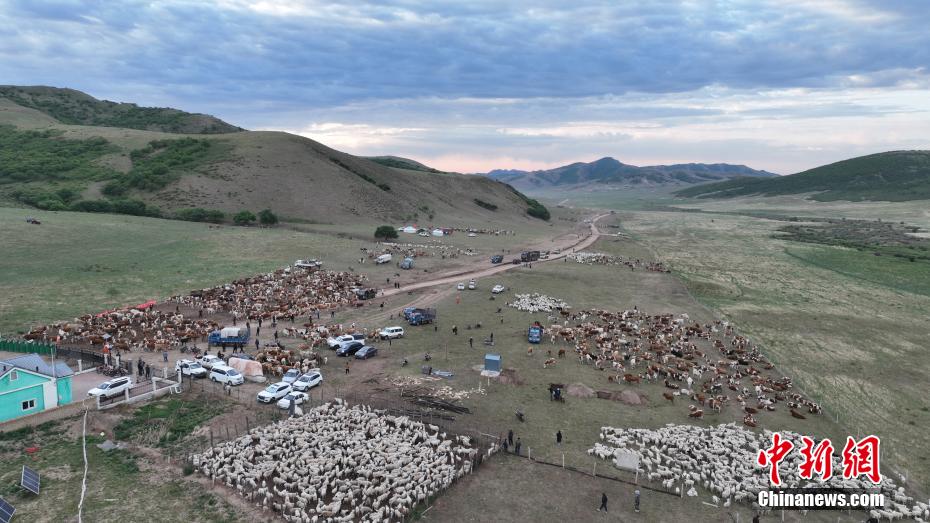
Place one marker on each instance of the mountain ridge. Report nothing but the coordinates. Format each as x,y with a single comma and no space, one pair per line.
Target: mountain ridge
608,170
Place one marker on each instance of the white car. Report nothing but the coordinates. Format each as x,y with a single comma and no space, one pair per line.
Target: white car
472,285
339,341
190,368
460,286
224,374
274,392
209,360
472,235
111,388
298,397
291,376
391,332
498,289
308,381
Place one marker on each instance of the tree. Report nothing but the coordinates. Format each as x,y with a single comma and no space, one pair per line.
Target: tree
266,217
244,218
385,232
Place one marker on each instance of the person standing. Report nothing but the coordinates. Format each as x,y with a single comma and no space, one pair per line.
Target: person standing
347,368
636,500
471,342
510,436
164,355
603,502
516,446
558,438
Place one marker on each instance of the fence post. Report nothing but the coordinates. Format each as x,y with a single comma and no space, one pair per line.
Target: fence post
595,469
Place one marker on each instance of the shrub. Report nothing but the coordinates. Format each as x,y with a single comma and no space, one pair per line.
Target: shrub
244,218
266,217
486,205
198,214
537,210
385,232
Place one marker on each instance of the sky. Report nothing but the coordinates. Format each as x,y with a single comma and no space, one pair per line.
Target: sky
782,85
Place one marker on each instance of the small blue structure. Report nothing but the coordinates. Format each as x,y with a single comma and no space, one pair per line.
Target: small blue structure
492,362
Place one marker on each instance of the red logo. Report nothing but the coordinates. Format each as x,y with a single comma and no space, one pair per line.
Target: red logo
772,456
861,458
817,459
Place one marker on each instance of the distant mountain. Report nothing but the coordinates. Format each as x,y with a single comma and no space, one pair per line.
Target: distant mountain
76,108
890,176
611,171
399,162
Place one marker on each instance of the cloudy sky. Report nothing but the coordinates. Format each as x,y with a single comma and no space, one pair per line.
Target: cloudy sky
781,85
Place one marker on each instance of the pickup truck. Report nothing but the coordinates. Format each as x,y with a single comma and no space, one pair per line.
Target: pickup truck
497,258
338,341
420,316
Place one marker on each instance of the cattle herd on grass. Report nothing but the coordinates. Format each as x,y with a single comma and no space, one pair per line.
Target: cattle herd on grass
339,463
289,293
722,459
706,366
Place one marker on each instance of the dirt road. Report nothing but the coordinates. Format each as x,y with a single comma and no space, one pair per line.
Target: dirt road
449,279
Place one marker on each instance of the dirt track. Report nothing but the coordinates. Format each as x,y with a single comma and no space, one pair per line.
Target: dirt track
455,277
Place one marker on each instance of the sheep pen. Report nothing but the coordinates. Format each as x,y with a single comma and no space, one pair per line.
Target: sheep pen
339,463
722,459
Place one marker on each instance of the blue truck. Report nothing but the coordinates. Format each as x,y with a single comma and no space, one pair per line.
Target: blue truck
534,334
229,336
415,316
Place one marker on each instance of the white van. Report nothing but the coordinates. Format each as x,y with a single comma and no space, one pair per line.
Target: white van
384,258
226,374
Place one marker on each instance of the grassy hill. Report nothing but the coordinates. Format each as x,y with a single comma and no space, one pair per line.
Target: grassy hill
398,162
76,108
50,165
892,176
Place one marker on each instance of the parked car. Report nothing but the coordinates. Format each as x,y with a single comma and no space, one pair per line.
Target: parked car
391,332
224,374
472,285
497,258
308,381
209,360
366,352
190,368
274,392
516,261
111,388
291,376
349,348
472,235
497,289
460,286
298,397
338,341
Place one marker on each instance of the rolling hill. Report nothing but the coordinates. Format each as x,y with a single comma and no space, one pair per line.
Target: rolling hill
610,171
398,162
49,164
76,108
889,176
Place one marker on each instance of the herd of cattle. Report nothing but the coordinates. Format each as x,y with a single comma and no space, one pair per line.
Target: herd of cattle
708,365
283,294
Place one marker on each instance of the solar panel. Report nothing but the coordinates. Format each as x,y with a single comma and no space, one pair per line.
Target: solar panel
30,480
6,511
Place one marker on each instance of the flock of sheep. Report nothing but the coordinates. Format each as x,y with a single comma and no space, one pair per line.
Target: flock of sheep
536,303
339,463
722,459
599,258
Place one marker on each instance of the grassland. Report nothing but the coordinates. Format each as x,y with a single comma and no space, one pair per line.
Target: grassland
121,484
849,327
79,263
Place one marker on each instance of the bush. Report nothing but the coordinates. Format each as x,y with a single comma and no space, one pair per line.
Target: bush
537,210
486,205
385,232
198,214
244,218
131,207
266,217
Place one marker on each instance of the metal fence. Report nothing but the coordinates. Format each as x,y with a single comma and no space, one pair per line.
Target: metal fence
26,347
